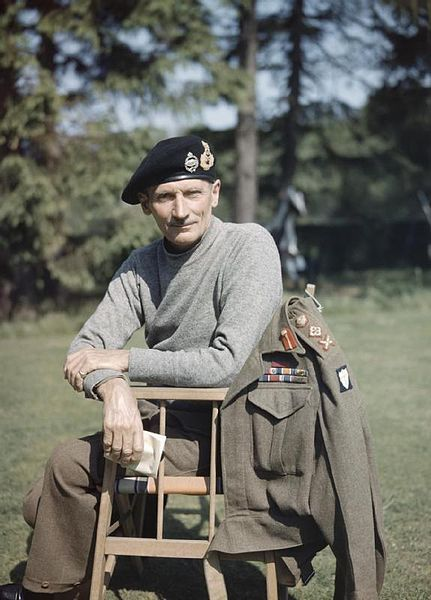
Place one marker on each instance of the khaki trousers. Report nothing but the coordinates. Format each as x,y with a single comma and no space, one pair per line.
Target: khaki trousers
62,506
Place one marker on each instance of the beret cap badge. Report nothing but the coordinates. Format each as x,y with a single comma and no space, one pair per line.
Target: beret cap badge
191,163
207,159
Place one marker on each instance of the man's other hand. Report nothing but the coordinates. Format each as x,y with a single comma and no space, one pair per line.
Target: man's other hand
122,425
80,363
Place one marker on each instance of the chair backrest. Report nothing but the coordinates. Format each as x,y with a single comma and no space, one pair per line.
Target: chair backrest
184,485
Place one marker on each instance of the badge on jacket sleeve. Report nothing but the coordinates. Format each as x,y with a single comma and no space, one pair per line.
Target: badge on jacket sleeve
301,320
344,379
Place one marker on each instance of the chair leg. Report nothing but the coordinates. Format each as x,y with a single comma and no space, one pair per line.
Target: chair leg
103,523
110,564
271,577
214,578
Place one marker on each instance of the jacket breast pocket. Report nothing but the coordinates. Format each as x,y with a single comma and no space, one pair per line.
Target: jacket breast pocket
277,419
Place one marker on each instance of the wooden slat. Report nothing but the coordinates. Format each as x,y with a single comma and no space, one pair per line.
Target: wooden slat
187,486
213,467
125,546
111,561
161,475
98,580
175,393
113,528
110,564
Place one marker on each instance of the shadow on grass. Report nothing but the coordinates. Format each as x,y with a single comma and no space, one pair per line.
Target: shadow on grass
17,573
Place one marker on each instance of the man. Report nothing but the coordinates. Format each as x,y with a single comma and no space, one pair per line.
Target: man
205,293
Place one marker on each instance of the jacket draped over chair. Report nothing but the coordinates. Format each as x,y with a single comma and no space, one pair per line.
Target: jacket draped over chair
297,461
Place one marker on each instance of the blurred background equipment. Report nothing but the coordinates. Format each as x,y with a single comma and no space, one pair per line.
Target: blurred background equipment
426,207
283,230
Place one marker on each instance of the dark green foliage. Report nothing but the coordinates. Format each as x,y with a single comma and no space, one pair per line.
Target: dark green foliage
100,230
64,65
360,164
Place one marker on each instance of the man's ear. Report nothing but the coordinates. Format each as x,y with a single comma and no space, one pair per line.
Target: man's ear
144,199
215,192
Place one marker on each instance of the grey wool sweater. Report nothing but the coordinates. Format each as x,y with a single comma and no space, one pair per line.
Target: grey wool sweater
203,310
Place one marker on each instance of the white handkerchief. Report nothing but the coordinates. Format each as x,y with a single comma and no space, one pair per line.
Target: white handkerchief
154,444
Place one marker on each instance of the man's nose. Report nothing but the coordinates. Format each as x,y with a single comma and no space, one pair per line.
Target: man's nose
180,210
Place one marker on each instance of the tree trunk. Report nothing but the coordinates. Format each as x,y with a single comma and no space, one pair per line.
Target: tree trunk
246,131
49,149
295,59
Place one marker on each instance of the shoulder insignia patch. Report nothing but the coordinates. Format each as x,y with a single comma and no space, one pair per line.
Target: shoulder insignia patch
326,342
315,331
309,326
344,378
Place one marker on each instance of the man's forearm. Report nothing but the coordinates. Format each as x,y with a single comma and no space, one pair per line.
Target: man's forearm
79,364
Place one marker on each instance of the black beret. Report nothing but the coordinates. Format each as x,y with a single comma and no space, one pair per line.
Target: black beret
186,157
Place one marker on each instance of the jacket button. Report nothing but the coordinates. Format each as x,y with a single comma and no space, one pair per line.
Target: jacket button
44,584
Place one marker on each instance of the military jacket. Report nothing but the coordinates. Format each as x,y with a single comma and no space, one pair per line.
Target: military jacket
297,462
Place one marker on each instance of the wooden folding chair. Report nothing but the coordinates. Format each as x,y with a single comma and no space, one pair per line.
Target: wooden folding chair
109,546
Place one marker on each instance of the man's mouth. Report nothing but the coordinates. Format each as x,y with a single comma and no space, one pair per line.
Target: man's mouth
180,225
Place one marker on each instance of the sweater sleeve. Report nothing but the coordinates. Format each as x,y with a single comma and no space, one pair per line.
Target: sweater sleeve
250,292
116,318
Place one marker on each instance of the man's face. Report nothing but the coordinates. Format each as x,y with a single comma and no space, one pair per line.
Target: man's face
182,209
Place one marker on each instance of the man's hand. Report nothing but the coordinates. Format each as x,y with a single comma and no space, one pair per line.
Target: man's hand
122,425
80,363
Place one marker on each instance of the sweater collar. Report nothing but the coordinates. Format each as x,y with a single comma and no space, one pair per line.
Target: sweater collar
189,256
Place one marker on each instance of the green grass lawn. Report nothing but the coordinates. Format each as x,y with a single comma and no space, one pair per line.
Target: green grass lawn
387,340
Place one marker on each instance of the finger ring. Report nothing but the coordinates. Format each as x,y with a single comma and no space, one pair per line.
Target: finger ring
81,373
